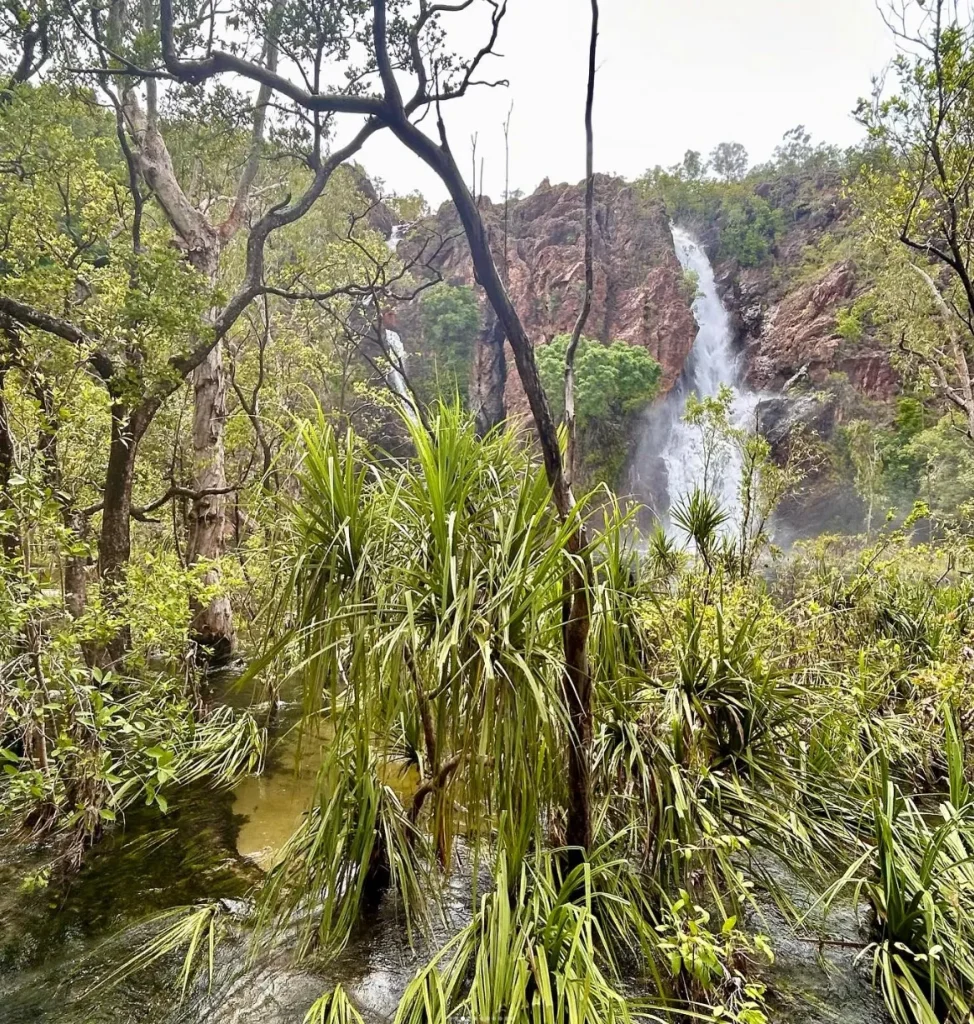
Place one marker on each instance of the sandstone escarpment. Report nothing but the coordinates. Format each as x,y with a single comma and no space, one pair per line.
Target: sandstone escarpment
788,309
640,293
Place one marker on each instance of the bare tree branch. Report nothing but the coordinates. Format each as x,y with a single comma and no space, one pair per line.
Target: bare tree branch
583,313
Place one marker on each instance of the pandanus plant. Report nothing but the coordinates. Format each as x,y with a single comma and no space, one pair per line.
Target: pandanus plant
428,601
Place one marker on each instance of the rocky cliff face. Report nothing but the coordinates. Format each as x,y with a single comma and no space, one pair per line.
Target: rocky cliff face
787,311
640,293
797,333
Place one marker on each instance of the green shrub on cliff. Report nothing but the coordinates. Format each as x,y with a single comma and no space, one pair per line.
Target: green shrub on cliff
612,384
749,227
451,320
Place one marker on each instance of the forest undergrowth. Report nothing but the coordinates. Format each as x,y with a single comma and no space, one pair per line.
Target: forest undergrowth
809,710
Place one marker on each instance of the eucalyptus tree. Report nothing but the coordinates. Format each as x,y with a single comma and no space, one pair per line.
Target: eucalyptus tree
25,41
91,270
729,161
402,76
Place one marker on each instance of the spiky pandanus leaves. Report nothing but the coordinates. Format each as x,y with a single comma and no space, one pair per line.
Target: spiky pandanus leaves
540,950
714,746
919,877
428,603
333,1008
194,932
700,516
662,552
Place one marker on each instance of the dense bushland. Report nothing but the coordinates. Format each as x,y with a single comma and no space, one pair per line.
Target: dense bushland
632,745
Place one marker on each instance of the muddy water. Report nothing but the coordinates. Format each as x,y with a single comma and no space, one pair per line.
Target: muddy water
270,806
56,942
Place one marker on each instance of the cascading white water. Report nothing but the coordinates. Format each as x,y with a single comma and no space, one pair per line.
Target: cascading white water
396,355
672,458
394,350
397,235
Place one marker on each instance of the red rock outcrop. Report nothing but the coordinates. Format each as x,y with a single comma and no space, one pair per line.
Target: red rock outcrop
640,295
798,334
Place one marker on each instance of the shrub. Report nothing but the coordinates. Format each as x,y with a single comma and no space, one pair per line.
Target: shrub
612,383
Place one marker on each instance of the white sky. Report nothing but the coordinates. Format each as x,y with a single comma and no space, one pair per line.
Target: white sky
673,75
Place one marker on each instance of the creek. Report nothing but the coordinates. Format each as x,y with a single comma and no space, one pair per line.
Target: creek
56,942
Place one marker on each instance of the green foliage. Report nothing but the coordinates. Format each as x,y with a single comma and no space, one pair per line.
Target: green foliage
451,320
729,161
541,948
745,709
79,746
920,884
942,463
748,225
66,215
733,715
357,833
612,384
333,1008
748,211
749,231
737,541
691,285
427,594
700,516
852,322
705,960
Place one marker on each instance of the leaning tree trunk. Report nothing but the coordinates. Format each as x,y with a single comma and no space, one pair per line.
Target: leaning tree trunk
212,621
489,375
212,625
115,542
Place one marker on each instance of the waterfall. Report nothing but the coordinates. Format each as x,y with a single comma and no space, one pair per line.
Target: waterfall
396,356
392,346
670,461
398,233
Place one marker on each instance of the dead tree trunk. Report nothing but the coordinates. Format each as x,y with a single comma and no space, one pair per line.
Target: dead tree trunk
577,611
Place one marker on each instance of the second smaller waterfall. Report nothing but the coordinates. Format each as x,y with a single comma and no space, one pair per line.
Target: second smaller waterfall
396,355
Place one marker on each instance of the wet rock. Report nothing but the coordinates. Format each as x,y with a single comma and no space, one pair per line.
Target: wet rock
778,418
379,217
273,994
801,331
817,976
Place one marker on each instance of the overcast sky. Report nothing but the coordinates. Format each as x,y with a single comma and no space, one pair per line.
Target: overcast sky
673,75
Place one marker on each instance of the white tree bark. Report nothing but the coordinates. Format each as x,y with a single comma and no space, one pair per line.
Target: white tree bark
212,624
